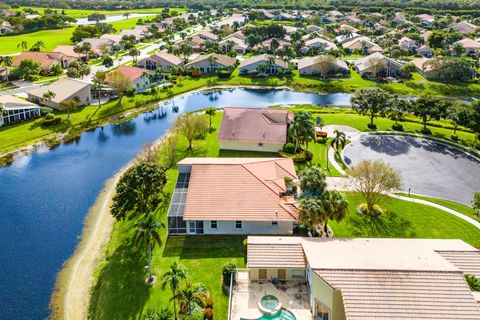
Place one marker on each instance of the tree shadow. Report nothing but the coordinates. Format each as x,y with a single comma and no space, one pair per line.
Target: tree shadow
120,291
389,225
203,247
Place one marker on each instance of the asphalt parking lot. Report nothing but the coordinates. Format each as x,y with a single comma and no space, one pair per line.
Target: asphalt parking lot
426,167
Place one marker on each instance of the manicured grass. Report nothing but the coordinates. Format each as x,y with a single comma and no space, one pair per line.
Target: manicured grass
319,151
468,211
404,220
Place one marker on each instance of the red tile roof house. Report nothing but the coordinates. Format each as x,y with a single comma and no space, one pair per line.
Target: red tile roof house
233,196
137,76
252,129
45,59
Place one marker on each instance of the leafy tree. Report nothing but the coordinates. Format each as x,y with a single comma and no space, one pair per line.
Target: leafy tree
146,233
211,111
68,105
474,122
334,206
98,83
49,95
139,191
325,63
7,62
338,141
37,46
162,314
372,178
97,17
476,203
173,278
311,213
190,125
134,53
473,282
302,129
193,293
120,83
436,39
428,107
370,102
312,181
23,44
227,270
459,114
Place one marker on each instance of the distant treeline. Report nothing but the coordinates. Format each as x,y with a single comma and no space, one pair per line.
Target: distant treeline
456,7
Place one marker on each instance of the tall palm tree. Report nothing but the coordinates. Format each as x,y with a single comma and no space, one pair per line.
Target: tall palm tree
49,95
146,233
173,278
193,293
38,45
338,141
7,62
302,129
23,44
212,59
274,44
134,53
311,212
334,206
211,111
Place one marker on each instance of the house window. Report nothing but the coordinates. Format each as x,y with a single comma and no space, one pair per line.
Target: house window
213,225
274,223
260,144
238,225
322,312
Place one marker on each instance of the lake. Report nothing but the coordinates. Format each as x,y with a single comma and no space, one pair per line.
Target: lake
45,195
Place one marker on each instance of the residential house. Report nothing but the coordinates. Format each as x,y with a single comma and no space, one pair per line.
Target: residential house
347,28
313,28
17,109
139,32
371,278
207,35
272,65
64,89
68,51
426,20
464,27
362,44
235,41
283,16
217,64
139,77
253,129
100,45
315,66
268,15
442,69
407,43
162,60
116,38
425,51
318,43
347,37
233,196
195,42
45,59
377,65
471,46
5,28
267,44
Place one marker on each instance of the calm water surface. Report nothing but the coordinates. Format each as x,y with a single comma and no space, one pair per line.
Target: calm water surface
45,196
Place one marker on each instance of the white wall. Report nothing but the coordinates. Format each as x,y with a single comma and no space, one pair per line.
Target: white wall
141,84
250,146
249,227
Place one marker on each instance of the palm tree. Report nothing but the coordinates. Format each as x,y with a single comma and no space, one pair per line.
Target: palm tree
172,278
334,206
37,46
302,129
49,95
7,62
23,44
134,53
147,233
311,213
98,82
193,293
212,59
126,14
211,111
339,141
274,44
2,109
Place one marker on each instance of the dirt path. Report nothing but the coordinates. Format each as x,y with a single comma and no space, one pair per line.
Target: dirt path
70,299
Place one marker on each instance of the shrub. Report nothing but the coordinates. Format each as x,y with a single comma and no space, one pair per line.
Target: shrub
308,156
209,303
49,116
322,140
208,314
227,270
45,110
397,127
299,158
454,137
426,131
372,126
289,147
51,120
376,212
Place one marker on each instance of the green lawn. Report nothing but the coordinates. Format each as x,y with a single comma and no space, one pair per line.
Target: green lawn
83,13
468,211
404,220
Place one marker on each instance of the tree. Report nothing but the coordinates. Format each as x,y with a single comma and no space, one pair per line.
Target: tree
334,206
97,17
27,69
68,105
49,95
211,111
473,282
428,107
162,314
134,53
325,63
173,278
139,191
98,83
120,83
476,203
375,65
372,178
3,109
459,113
274,45
193,293
311,213
302,129
168,149
37,46
370,102
146,233
212,60
23,44
7,62
312,181
190,125
339,141
474,122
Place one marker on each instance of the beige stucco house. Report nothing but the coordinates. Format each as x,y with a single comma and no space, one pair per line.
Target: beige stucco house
372,278
162,60
63,89
217,63
314,66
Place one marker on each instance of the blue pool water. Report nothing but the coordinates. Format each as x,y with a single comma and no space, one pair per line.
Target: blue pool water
45,195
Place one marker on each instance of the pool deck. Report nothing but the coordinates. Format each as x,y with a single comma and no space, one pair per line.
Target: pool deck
247,294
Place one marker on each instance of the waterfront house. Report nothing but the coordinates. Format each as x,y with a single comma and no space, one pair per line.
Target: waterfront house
362,44
314,66
17,109
370,278
64,89
263,65
233,196
377,65
138,77
219,63
162,60
254,129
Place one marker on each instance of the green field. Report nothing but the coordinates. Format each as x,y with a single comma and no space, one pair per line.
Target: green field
78,13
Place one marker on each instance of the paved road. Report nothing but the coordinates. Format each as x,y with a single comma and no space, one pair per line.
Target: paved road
427,167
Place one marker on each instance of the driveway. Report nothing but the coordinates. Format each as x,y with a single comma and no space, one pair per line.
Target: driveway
426,167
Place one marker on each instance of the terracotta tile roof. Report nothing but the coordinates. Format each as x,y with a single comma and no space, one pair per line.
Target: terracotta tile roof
67,50
235,189
250,124
133,73
45,59
465,261
275,256
368,294
468,43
